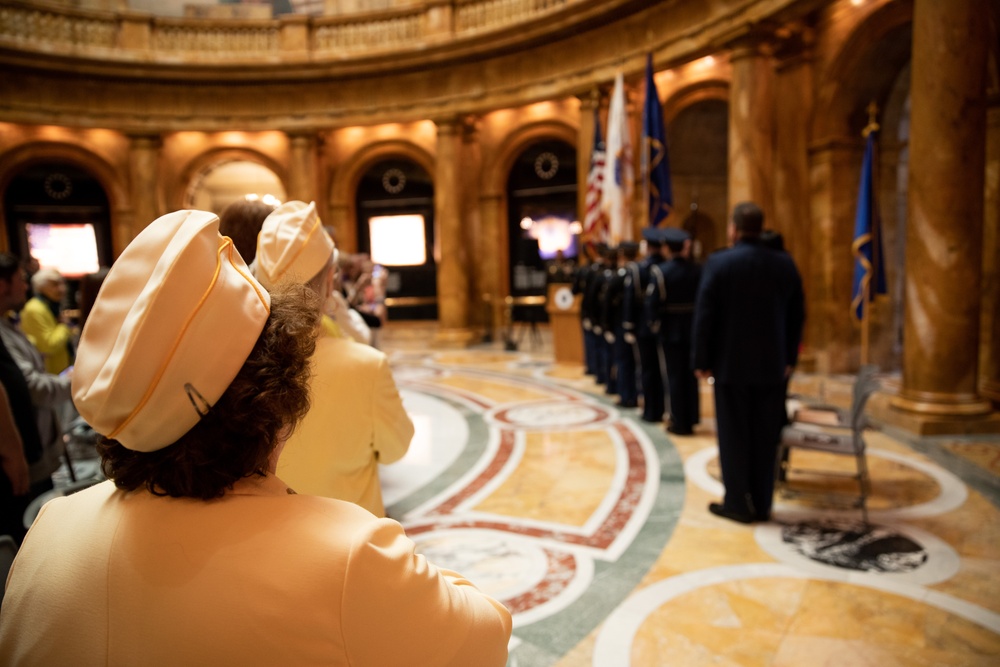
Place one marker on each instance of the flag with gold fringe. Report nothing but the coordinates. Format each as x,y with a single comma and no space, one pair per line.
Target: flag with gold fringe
867,245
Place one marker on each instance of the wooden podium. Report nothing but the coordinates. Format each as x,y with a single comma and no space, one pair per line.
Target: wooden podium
563,308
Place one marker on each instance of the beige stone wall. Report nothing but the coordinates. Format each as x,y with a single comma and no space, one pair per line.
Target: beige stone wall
285,95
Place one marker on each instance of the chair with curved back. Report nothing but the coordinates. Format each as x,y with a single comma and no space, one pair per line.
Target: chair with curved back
845,438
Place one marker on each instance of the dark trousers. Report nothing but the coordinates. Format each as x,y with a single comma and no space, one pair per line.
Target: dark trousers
651,377
610,367
590,352
749,425
685,404
625,363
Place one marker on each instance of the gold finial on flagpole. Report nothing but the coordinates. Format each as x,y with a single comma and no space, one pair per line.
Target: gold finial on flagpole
872,125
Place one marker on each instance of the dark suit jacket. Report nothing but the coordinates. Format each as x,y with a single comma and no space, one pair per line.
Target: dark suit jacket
748,315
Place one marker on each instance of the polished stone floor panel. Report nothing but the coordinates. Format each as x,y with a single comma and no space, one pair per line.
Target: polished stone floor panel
592,527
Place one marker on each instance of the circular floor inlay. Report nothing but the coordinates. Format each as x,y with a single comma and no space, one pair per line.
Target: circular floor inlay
562,414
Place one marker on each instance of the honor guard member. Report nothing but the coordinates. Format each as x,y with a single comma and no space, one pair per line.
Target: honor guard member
605,307
670,301
626,290
581,285
637,325
591,307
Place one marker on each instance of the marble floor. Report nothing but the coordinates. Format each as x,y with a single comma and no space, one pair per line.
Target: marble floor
592,527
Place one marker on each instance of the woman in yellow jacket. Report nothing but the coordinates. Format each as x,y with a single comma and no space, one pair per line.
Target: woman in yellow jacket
40,320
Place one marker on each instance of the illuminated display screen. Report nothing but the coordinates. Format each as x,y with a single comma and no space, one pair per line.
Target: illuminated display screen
69,249
398,240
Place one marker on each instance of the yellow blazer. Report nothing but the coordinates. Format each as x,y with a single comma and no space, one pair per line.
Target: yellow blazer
258,577
356,421
47,334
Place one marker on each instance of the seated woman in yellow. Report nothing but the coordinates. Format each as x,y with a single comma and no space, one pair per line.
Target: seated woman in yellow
40,320
357,419
196,553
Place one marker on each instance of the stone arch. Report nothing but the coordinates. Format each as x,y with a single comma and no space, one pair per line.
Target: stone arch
343,183
213,156
113,182
700,203
709,89
878,48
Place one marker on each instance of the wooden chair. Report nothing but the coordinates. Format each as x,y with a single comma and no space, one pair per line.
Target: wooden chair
835,432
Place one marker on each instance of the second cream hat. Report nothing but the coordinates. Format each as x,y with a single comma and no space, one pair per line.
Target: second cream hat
292,246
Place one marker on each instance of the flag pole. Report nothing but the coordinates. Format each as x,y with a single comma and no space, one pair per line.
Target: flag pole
872,126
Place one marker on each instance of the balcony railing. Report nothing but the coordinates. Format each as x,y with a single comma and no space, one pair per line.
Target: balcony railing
131,36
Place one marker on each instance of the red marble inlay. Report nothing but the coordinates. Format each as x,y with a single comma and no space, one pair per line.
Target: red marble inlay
560,570
500,459
601,538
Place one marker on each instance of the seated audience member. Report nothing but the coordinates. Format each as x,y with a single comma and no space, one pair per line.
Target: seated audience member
42,323
196,553
36,395
357,420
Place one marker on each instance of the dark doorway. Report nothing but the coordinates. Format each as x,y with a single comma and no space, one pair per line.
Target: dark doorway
542,222
395,199
58,214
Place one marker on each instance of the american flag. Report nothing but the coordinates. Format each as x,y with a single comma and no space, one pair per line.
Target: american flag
594,229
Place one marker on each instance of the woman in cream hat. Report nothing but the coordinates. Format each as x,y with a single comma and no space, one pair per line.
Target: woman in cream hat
196,553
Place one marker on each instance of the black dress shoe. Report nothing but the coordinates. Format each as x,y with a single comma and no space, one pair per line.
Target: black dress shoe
719,509
651,420
627,404
678,430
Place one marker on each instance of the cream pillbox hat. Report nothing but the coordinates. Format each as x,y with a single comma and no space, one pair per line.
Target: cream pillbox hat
176,317
292,246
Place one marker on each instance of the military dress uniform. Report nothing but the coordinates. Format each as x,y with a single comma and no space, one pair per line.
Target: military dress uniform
670,297
637,323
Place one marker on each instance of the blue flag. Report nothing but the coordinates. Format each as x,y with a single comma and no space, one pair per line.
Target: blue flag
867,245
655,163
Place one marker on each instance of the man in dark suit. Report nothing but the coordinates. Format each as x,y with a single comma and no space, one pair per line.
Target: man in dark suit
747,327
670,297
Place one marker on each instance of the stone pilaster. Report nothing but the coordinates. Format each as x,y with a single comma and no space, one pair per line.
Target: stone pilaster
303,156
833,171
452,268
490,214
584,151
144,182
478,245
793,85
751,124
990,329
945,213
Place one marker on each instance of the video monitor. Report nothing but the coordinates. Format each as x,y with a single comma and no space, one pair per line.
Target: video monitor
398,240
70,249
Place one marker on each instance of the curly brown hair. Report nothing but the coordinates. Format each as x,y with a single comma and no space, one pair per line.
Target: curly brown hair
268,397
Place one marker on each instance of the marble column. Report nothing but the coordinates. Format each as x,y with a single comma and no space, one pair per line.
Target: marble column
303,156
944,233
990,329
751,125
452,267
144,183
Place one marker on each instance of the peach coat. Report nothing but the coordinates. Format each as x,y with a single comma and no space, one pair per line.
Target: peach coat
260,576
